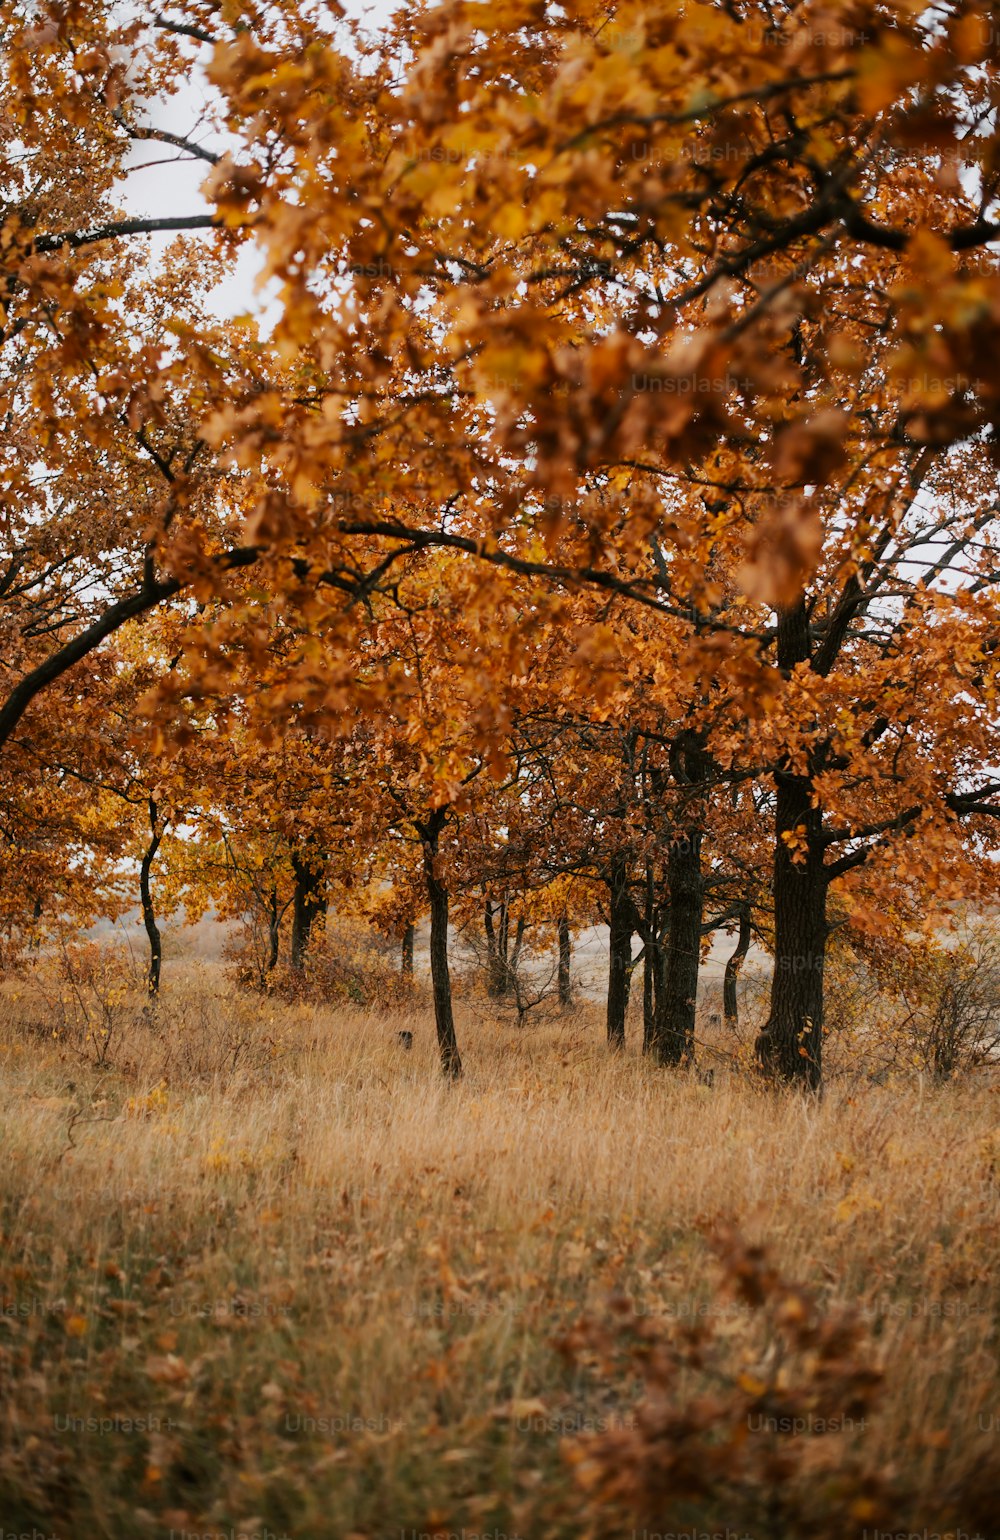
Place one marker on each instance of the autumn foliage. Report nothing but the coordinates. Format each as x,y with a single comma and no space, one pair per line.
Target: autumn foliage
605,510
526,468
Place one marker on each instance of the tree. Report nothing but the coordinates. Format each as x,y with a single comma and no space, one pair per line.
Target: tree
564,226
649,359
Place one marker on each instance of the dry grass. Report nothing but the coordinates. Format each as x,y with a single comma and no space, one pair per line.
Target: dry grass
328,1286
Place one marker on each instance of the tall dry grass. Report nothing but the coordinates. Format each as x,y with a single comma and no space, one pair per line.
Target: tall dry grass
263,1271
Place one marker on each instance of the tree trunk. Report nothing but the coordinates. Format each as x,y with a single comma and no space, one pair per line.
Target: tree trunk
437,893
148,910
648,993
620,960
674,1022
515,953
503,947
406,957
652,964
496,950
790,1046
273,930
565,958
309,904
730,1004
501,959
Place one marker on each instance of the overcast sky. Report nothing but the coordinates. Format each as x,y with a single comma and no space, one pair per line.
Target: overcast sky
161,182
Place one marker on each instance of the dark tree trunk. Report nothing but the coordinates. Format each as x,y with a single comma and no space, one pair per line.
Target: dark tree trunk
648,993
565,960
730,1004
674,1020
652,965
273,930
659,986
500,961
148,910
515,953
503,942
406,957
620,947
790,1046
496,961
437,893
308,866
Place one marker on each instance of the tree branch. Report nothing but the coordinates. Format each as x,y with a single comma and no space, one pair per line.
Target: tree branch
115,616
120,227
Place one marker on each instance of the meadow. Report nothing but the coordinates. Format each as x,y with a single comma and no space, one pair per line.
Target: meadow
264,1273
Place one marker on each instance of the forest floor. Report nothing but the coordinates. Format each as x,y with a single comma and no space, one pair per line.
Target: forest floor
262,1273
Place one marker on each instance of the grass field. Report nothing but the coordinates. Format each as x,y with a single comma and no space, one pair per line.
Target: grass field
263,1273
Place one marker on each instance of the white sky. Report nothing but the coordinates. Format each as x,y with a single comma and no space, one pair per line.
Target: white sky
162,183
